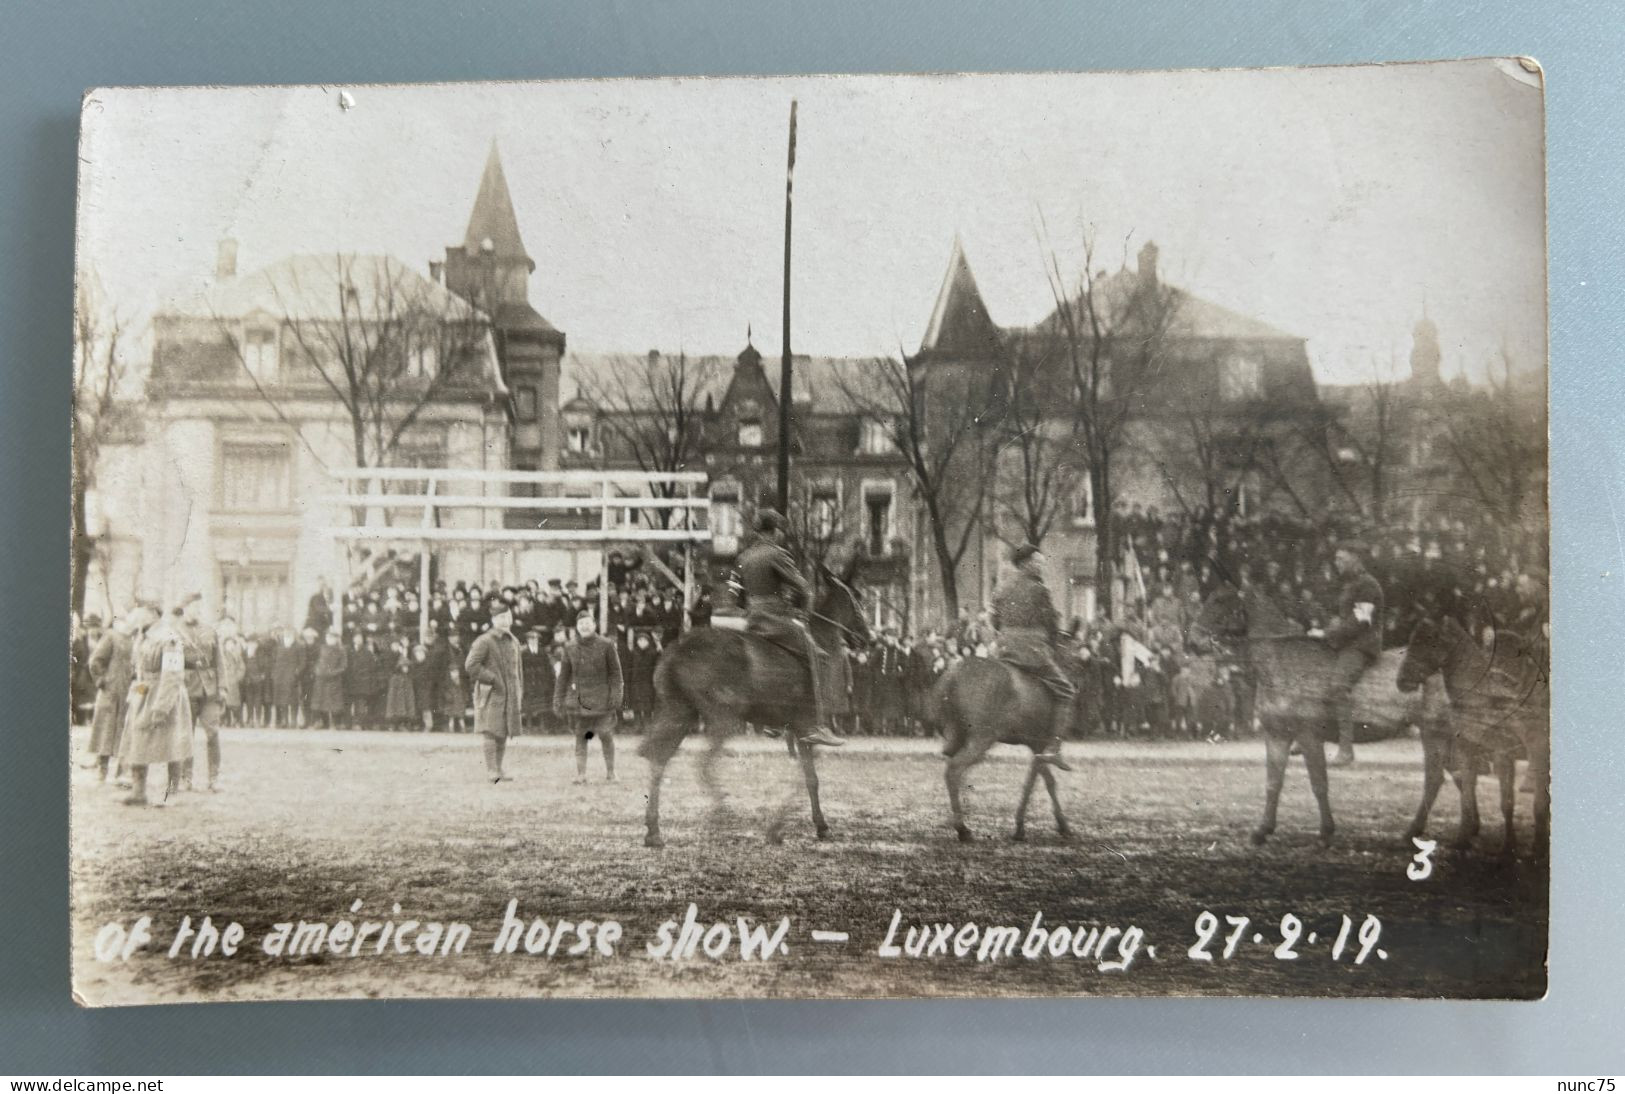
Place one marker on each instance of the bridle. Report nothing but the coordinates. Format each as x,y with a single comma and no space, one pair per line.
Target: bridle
857,601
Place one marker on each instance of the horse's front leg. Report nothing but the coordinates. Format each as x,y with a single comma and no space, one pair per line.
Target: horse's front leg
809,775
651,811
1276,750
1432,779
1064,829
1506,770
1314,758
1026,797
1466,775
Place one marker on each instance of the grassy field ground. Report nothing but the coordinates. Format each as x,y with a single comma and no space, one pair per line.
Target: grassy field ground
310,822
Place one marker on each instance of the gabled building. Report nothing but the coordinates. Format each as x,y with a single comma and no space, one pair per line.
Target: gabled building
850,489
1220,374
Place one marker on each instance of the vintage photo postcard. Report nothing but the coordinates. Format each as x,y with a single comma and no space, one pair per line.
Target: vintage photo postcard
658,538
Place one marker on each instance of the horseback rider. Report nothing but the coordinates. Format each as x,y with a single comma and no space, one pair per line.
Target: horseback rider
1025,617
777,597
1356,635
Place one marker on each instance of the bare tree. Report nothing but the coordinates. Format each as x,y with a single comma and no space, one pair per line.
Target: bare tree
1496,437
1215,447
99,376
938,424
385,342
1356,446
1112,332
652,409
1037,464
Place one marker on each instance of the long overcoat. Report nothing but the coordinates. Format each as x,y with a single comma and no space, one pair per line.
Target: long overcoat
111,668
158,722
499,684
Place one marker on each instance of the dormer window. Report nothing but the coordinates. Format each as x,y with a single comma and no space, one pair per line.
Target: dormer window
260,353
1242,379
874,439
578,439
750,433
420,362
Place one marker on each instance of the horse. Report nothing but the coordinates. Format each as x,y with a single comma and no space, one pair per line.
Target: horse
725,678
1499,707
982,702
1294,674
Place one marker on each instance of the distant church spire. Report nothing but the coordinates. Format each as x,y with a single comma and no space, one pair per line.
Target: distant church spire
493,218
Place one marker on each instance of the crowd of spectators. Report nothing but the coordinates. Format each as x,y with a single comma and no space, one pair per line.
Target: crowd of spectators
369,662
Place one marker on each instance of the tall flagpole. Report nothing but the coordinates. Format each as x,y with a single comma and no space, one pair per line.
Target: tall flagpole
785,390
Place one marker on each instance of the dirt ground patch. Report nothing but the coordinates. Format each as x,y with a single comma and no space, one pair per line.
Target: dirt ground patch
309,823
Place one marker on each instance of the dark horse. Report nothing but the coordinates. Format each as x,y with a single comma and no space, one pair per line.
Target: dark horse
1498,711
1294,673
980,703
724,678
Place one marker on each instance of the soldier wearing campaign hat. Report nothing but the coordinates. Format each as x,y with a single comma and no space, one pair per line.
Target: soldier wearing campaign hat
1356,635
777,596
1025,617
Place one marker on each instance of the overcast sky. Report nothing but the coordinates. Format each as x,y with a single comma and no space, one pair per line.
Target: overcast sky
1333,203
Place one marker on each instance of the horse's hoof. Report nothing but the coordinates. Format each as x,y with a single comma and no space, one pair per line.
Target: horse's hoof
653,840
1066,835
1326,835
824,833
1412,832
1462,843
1260,836
1019,836
965,835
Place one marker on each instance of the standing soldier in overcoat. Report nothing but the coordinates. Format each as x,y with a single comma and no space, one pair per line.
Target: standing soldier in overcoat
202,683
589,692
111,668
499,688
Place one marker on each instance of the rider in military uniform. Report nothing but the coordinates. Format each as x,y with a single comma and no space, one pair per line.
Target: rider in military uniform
1356,635
777,596
1026,620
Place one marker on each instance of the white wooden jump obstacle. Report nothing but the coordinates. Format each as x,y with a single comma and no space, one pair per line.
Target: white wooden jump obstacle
386,517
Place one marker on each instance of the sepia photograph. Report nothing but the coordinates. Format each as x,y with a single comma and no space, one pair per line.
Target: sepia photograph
1057,534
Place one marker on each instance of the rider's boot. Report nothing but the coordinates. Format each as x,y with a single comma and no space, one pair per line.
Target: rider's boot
1052,751
819,734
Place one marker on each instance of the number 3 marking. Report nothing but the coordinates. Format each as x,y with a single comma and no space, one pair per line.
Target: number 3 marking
1420,867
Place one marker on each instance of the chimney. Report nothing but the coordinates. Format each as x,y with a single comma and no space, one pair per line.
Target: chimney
437,272
1148,264
225,261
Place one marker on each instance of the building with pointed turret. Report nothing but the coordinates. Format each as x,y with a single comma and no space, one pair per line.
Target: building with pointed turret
1222,390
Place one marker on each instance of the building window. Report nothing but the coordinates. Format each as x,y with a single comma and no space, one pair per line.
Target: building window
874,439
257,597
256,478
259,353
724,517
1083,501
1242,380
578,439
420,362
824,512
750,434
524,399
877,510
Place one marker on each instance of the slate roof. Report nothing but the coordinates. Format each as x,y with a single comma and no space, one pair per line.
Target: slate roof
493,217
960,326
307,287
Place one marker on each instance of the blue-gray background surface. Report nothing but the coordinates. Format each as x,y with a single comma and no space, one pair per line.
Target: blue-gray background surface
52,50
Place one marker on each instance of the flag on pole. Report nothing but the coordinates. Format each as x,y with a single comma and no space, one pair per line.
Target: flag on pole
1134,654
